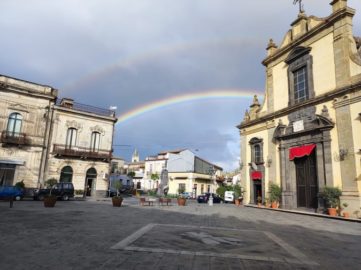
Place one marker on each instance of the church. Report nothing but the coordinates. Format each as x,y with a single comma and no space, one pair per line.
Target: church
305,134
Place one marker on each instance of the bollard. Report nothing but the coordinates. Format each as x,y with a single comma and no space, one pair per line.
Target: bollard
210,200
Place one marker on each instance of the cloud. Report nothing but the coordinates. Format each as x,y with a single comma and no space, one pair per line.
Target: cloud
129,53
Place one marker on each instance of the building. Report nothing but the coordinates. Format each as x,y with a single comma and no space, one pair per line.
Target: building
24,125
81,146
306,133
43,137
190,173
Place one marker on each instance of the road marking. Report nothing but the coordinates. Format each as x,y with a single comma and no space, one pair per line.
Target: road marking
133,237
298,256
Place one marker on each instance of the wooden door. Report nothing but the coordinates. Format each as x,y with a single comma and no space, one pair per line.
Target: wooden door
306,178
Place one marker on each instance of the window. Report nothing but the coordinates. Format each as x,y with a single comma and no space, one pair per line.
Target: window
300,85
94,143
257,153
300,75
181,188
14,124
66,174
256,150
71,137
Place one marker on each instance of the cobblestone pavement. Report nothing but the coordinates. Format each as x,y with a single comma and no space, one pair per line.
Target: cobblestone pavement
95,235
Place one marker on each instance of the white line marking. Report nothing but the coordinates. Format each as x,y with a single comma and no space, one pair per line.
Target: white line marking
133,237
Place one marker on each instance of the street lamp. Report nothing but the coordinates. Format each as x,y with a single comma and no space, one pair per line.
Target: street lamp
211,172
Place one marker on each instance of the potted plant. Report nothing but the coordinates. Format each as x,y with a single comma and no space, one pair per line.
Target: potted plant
267,202
259,201
344,213
331,196
275,195
238,194
21,186
181,200
117,200
50,200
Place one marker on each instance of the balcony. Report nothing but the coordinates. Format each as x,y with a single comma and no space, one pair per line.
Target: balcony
9,137
60,150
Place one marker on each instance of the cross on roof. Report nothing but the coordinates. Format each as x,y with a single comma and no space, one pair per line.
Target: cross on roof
300,4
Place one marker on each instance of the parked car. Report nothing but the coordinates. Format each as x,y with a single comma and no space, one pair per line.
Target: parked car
205,197
229,196
187,195
62,191
10,191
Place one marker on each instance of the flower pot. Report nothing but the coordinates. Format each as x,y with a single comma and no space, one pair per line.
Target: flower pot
117,201
346,214
181,201
237,202
332,211
49,201
259,204
274,205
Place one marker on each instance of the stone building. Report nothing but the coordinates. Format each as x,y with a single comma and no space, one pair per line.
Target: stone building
306,133
42,138
81,146
24,127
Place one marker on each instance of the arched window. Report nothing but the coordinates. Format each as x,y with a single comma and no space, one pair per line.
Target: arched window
14,124
95,140
66,174
71,137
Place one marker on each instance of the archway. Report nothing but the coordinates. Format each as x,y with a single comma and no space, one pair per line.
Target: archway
90,182
66,174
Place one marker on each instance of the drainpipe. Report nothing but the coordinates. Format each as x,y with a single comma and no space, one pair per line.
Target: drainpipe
47,145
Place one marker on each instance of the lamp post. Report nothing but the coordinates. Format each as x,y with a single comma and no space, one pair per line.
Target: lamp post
211,172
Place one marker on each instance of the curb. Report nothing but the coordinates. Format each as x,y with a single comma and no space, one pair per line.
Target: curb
356,220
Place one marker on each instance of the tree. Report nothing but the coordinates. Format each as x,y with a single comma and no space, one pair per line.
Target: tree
131,174
154,176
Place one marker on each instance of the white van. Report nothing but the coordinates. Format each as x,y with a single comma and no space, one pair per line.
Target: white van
229,196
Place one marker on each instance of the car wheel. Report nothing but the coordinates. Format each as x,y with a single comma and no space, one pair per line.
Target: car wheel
18,198
41,197
65,197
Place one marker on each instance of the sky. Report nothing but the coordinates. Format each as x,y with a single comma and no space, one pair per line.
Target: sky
181,73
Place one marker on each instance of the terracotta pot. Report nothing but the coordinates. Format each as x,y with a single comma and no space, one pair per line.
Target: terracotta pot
346,214
49,201
117,201
237,202
181,201
274,205
259,204
332,212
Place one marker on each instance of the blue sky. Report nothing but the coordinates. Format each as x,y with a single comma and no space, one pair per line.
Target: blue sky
129,53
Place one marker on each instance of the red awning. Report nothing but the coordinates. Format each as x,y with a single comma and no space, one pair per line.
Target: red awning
256,175
301,151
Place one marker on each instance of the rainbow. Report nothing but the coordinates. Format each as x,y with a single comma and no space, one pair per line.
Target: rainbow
212,94
165,51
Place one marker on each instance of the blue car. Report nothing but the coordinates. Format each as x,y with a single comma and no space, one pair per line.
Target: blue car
10,191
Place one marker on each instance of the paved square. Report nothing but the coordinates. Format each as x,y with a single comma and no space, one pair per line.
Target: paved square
212,242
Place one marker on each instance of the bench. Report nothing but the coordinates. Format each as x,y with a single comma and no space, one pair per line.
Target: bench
9,199
144,201
162,201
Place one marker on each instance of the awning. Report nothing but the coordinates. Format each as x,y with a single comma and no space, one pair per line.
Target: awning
301,151
256,175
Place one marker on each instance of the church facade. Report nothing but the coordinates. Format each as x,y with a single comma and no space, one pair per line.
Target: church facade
306,133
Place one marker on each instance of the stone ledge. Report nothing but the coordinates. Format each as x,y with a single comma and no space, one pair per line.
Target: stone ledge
305,213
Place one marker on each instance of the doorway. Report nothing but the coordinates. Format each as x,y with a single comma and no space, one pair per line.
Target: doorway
91,176
306,179
257,189
7,172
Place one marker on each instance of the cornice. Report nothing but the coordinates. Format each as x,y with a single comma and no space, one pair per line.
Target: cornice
315,101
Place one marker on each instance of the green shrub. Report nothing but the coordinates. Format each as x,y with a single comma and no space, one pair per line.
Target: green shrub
331,195
51,182
275,193
20,184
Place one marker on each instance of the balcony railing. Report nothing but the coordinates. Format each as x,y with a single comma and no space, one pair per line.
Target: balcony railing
9,137
86,108
81,152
